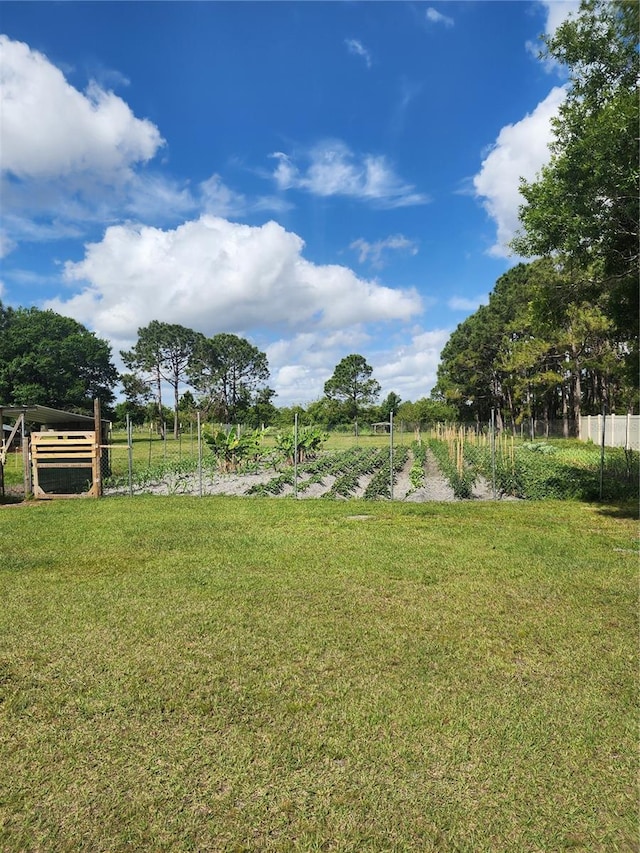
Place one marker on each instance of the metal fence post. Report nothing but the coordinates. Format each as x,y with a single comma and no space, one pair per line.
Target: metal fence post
604,424
391,455
199,458
130,455
493,452
295,455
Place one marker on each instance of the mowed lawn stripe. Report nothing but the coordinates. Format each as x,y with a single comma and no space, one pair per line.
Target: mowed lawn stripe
242,674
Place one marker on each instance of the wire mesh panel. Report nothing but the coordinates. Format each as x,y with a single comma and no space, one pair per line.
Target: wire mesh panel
65,464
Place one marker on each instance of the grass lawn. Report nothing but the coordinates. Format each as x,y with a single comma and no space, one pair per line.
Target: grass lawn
219,674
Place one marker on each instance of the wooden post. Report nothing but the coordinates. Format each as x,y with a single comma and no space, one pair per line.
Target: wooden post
26,467
97,466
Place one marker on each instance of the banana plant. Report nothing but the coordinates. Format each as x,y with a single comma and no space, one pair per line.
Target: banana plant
310,440
232,449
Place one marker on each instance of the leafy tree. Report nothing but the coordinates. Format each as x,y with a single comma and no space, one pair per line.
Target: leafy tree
163,352
262,412
351,383
327,412
230,373
284,417
188,408
426,411
583,207
137,413
389,406
50,360
542,346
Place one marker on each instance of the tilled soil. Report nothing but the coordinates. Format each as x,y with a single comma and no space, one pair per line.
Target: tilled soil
435,488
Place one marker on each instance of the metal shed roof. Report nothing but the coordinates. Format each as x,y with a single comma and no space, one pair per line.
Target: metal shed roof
45,415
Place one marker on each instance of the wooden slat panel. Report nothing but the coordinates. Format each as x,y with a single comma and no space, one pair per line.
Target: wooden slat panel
64,450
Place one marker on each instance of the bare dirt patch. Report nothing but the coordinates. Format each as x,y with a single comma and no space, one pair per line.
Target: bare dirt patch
435,488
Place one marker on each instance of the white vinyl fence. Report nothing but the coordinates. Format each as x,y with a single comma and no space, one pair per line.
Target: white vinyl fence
619,430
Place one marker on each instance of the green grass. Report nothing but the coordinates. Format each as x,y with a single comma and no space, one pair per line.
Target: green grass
258,675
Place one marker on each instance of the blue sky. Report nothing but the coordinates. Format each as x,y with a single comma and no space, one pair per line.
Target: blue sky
320,177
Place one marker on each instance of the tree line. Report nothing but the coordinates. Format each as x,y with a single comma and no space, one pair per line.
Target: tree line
51,360
559,337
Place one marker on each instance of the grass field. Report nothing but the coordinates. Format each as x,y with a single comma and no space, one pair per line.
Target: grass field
252,675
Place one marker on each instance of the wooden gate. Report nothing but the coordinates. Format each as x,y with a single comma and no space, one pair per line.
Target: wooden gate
66,464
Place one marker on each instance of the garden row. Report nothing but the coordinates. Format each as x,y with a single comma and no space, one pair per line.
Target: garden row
237,464
536,470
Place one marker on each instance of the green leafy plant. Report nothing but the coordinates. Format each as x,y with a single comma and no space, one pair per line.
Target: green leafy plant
417,473
461,477
231,449
310,441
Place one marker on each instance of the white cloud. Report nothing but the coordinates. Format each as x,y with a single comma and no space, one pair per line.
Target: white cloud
73,159
358,49
333,169
218,199
301,365
214,275
435,17
7,245
462,303
520,150
557,12
153,198
49,129
411,369
374,252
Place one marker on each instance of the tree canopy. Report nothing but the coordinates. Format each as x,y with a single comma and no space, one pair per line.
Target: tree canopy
559,336
583,207
231,374
163,351
542,348
50,360
352,384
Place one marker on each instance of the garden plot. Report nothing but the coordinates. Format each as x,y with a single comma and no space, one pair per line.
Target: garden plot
355,473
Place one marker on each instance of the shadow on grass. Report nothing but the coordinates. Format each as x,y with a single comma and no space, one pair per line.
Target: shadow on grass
6,500
625,509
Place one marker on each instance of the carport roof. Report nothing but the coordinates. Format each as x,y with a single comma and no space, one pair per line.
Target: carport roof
45,415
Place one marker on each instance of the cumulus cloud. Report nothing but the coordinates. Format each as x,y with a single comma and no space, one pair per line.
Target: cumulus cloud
301,365
463,303
556,12
49,129
356,48
70,158
374,252
332,169
6,244
411,368
435,17
520,150
214,275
